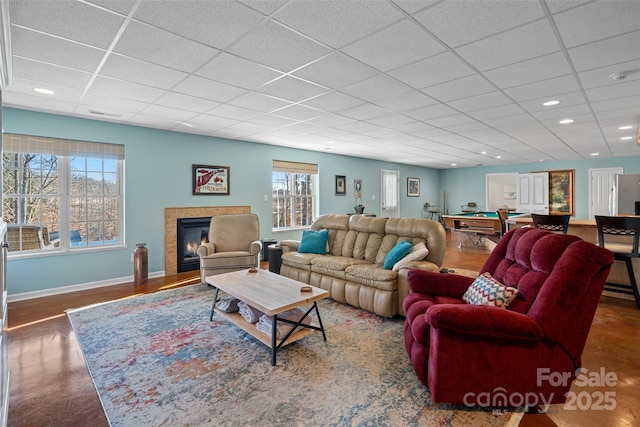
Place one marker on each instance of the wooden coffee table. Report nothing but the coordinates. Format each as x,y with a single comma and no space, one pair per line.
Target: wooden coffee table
272,294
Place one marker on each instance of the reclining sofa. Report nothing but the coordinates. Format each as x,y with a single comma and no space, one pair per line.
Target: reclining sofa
352,269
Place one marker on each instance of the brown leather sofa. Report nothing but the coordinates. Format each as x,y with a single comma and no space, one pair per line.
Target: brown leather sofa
352,270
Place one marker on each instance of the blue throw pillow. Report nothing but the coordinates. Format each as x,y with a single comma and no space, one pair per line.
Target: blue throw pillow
398,252
314,242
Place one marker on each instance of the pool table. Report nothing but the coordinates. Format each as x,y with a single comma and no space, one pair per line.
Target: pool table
480,220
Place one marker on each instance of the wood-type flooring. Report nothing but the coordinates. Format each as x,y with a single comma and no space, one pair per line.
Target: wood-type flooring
51,386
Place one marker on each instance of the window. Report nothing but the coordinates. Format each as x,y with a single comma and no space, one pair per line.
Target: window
61,195
294,194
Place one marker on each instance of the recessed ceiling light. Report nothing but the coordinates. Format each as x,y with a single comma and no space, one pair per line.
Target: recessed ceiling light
329,142
550,103
595,154
624,138
189,125
565,121
484,152
43,90
454,164
498,157
625,127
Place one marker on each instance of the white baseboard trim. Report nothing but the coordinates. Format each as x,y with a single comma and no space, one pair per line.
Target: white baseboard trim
73,288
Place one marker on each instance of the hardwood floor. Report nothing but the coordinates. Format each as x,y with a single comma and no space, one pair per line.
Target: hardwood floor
51,386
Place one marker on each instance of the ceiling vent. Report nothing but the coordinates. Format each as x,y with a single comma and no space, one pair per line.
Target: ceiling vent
102,113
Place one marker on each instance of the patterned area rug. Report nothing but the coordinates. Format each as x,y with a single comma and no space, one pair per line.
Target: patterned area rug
157,360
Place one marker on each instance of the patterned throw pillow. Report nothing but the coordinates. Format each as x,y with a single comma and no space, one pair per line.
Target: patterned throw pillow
486,290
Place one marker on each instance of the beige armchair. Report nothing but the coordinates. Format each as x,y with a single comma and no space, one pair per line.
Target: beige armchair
234,244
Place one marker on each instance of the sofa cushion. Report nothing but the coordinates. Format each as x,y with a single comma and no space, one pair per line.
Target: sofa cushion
314,242
338,263
398,252
298,260
418,252
372,275
486,290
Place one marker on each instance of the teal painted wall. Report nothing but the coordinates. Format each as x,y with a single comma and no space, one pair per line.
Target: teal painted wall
157,175
468,184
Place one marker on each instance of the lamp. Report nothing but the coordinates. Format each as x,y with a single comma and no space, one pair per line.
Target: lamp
6,65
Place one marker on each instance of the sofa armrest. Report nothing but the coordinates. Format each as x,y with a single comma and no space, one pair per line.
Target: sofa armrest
289,245
436,283
255,247
484,320
206,249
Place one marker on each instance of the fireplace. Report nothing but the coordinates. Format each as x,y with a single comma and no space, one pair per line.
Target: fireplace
191,233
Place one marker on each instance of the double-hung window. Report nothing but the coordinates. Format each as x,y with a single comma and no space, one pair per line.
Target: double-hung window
295,194
61,195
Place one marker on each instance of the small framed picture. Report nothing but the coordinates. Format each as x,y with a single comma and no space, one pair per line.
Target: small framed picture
357,188
413,187
341,188
210,180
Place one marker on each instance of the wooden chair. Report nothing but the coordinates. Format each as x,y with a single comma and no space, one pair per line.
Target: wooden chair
551,222
625,248
503,215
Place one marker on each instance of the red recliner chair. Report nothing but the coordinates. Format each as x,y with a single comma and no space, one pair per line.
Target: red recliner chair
524,355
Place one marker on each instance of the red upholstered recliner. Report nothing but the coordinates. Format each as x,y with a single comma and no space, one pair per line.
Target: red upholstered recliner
489,356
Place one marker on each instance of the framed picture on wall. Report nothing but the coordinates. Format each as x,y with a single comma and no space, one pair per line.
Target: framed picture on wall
413,187
561,191
341,185
210,180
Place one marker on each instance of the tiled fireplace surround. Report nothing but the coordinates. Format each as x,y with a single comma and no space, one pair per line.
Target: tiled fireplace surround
171,216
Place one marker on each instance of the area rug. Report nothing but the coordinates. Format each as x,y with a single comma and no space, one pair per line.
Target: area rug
157,360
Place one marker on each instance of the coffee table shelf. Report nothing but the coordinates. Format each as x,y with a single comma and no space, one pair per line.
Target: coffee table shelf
272,294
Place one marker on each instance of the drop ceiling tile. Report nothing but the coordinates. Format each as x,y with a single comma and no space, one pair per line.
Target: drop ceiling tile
186,102
568,111
53,50
358,127
465,87
152,44
382,133
275,46
522,43
214,23
298,112
414,127
337,23
557,6
615,104
544,88
305,127
566,99
154,122
406,101
61,92
403,43
600,76
91,26
460,22
431,112
616,90
332,120
265,7
36,103
212,121
237,71
412,6
168,113
610,51
292,89
133,70
233,112
377,87
333,101
533,70
453,120
126,90
271,120
40,71
117,104
121,6
247,128
596,21
208,89
478,102
510,120
390,120
335,71
432,71
259,102
364,112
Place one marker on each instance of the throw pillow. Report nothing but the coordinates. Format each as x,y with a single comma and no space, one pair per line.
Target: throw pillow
418,251
314,242
398,252
486,290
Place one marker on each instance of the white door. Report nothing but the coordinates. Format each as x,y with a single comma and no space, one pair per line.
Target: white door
533,193
601,183
390,199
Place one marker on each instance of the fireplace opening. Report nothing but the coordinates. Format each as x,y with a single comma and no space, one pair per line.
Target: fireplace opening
191,233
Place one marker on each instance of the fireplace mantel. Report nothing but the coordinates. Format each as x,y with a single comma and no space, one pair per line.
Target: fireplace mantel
170,228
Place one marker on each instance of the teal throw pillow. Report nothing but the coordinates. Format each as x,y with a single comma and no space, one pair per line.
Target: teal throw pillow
398,252
314,242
